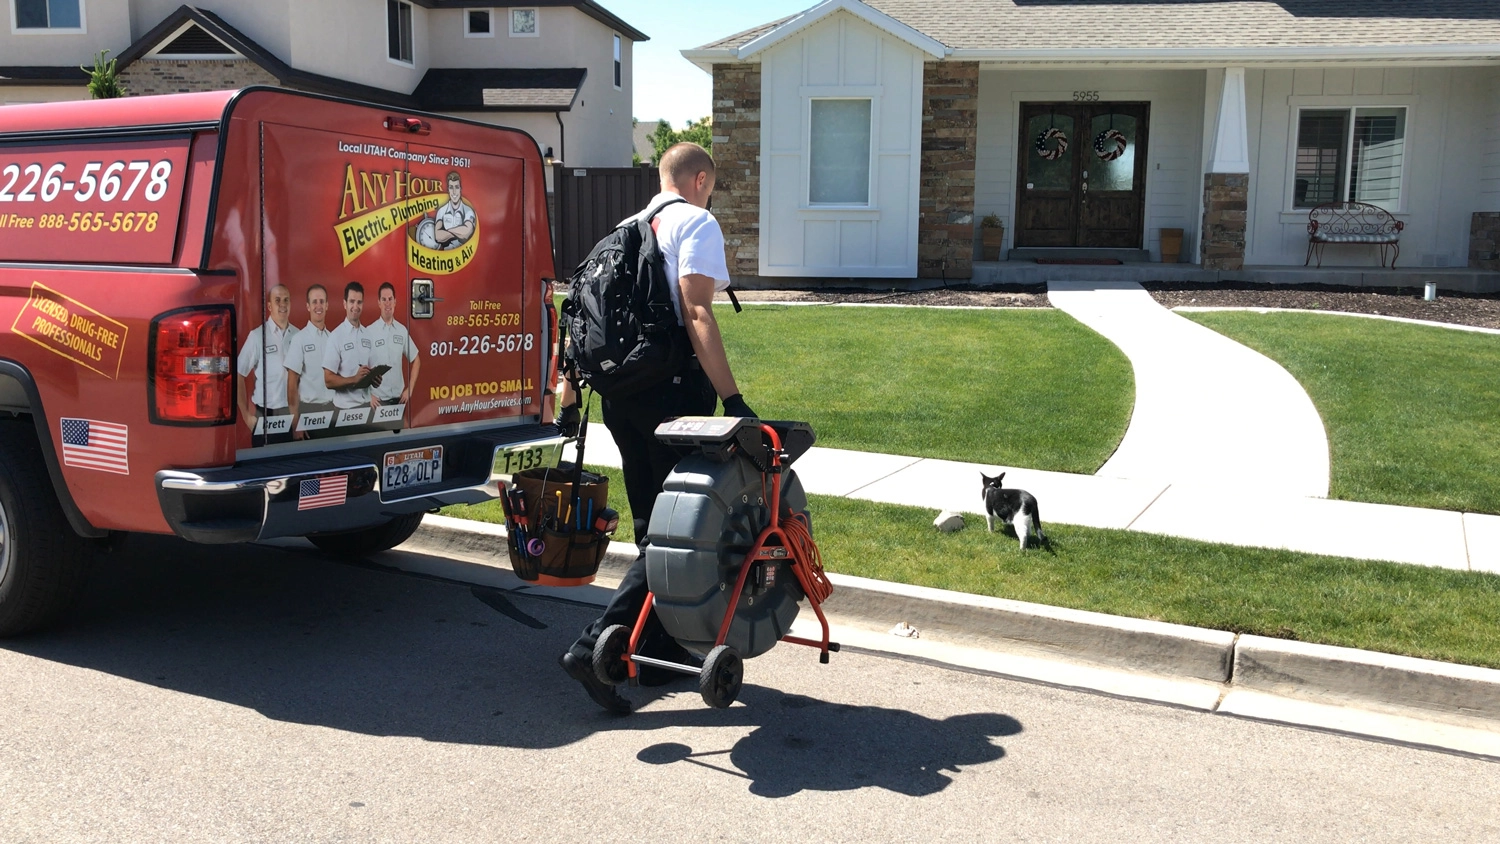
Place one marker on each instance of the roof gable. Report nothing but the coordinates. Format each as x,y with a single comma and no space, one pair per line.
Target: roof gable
823,11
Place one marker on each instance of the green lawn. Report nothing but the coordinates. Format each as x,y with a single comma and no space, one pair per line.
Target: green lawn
1412,412
1412,610
1027,388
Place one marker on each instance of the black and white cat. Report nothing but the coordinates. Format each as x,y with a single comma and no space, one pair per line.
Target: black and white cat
1015,507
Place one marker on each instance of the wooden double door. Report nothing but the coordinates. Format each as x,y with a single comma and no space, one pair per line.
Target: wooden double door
1082,177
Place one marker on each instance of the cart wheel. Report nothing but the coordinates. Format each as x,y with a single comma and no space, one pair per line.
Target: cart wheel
609,652
719,681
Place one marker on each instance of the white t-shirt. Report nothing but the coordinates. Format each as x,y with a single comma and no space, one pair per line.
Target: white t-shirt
391,344
305,357
267,344
348,350
691,242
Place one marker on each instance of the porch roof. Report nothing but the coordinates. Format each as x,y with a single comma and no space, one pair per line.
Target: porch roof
1246,31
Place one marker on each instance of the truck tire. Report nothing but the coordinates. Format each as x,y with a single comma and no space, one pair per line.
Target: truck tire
43,561
362,543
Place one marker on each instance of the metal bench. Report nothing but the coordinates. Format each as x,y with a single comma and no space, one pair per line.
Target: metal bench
1352,222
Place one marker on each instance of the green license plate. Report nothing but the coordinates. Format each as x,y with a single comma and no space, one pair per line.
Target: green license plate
520,458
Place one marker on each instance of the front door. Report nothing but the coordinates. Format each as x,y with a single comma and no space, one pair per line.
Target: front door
1082,176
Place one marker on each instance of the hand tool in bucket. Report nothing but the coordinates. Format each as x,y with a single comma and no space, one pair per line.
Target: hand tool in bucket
729,554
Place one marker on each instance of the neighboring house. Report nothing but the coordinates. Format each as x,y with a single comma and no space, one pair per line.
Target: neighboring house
559,70
641,138
866,139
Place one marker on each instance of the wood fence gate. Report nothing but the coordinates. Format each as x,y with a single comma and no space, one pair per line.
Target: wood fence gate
589,203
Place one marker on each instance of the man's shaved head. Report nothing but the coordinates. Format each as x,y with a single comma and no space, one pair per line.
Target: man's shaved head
683,162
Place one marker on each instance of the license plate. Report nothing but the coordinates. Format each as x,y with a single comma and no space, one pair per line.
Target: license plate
418,467
520,458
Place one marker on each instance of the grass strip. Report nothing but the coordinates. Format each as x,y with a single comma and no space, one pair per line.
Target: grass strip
1409,409
1388,607
1026,387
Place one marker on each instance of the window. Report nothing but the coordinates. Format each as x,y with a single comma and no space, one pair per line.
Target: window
398,29
477,24
523,22
1350,154
617,61
839,152
49,14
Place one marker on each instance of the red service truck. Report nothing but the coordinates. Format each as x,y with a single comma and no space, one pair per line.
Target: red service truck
249,314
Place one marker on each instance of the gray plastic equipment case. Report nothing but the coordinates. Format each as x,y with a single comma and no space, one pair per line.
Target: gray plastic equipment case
705,520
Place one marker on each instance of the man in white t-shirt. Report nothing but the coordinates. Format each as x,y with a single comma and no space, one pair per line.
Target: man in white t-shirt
392,347
693,248
305,390
347,358
263,358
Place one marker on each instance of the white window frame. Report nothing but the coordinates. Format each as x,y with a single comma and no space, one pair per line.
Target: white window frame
809,94
536,19
1290,211
619,76
402,62
469,33
83,23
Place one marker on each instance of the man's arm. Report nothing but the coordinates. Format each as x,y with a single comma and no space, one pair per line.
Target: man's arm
411,383
335,381
293,398
247,410
703,331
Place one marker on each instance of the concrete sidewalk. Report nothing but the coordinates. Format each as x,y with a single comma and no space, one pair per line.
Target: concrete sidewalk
1223,446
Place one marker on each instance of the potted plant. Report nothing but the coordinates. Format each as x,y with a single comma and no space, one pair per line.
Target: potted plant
992,237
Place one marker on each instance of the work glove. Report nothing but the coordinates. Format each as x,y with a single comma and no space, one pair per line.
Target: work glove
735,406
567,421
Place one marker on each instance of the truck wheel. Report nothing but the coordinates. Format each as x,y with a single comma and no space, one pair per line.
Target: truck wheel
363,543
42,560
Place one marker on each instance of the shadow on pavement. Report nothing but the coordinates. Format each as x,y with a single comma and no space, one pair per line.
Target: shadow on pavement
815,745
304,640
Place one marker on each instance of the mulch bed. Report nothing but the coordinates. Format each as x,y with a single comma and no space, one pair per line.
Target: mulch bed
1476,309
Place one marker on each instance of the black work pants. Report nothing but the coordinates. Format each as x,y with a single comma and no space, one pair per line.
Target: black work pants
645,462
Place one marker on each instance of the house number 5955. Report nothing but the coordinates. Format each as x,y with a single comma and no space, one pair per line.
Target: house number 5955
1085,96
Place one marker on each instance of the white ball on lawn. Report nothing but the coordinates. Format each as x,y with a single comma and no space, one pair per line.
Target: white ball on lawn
949,521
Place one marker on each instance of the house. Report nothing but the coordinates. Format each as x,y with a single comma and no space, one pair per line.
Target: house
559,70
866,139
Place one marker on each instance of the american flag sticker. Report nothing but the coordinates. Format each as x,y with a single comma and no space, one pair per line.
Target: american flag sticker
91,444
322,492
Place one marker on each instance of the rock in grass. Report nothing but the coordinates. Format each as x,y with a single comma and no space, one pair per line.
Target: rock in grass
949,521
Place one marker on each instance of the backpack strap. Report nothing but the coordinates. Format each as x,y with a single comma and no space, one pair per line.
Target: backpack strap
656,227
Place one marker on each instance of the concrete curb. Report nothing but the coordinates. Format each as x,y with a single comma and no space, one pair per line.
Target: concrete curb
1457,694
1249,667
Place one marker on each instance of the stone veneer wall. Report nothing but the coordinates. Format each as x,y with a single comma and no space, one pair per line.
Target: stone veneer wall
165,76
950,139
1225,206
736,135
1484,240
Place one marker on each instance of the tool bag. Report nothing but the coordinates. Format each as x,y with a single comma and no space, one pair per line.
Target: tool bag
558,530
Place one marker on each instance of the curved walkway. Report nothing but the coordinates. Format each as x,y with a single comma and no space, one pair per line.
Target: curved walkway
1208,411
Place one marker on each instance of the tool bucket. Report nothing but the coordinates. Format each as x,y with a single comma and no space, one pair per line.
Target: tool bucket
558,545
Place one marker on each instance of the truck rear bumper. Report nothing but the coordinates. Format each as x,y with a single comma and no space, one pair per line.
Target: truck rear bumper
260,499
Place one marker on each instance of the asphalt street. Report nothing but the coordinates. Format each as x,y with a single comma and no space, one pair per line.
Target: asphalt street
264,694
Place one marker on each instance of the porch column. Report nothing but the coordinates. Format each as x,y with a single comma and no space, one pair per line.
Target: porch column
1226,185
1484,229
950,120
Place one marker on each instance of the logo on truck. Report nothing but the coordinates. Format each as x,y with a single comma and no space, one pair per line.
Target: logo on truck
440,225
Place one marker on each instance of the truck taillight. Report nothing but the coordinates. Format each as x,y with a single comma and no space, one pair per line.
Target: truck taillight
192,378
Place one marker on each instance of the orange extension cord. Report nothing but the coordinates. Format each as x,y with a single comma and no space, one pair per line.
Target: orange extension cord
807,563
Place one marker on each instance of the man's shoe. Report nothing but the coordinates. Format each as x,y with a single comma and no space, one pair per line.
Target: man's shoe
602,694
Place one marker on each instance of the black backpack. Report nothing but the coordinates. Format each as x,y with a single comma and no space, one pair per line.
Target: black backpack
619,317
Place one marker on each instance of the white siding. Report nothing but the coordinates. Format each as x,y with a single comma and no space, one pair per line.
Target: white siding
841,56
1445,150
1174,185
1489,164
